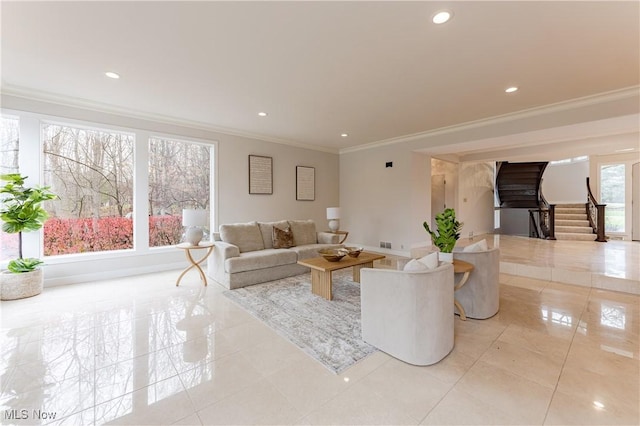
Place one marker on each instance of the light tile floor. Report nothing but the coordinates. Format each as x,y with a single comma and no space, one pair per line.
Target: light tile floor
139,350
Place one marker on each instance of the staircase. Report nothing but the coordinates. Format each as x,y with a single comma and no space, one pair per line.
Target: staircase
572,223
518,184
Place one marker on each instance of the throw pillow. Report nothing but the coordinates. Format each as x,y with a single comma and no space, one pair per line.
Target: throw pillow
282,238
304,231
246,236
414,266
479,246
266,228
430,260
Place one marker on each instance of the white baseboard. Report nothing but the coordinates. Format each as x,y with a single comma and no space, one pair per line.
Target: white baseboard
111,274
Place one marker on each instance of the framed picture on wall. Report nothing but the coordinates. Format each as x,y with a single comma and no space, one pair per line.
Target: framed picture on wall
305,183
260,175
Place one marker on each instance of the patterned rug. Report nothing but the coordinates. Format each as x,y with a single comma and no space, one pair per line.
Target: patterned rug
329,331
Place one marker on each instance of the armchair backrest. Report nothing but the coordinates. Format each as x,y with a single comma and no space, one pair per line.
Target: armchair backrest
480,296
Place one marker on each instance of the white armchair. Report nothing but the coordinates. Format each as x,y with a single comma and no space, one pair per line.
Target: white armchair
480,295
408,315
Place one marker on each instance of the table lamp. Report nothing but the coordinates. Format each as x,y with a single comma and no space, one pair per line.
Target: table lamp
193,220
333,214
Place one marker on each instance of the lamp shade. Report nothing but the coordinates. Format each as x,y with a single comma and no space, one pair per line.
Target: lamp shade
194,217
333,213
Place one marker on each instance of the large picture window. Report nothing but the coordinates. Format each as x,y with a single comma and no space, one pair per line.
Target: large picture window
9,139
92,172
179,174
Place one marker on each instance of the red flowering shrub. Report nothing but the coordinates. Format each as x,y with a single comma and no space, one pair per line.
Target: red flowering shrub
68,236
164,230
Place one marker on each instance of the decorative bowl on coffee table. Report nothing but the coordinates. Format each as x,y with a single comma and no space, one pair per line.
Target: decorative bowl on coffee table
333,255
354,251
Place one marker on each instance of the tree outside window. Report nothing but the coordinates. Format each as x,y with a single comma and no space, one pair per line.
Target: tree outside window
179,174
9,143
92,172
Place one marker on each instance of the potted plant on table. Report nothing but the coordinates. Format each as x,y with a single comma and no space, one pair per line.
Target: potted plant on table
446,235
21,211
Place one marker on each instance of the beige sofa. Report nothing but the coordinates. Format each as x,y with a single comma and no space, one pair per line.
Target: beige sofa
244,255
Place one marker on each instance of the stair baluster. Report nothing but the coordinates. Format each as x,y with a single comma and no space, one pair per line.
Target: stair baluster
595,214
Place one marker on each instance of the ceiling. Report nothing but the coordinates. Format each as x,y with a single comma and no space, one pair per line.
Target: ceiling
373,70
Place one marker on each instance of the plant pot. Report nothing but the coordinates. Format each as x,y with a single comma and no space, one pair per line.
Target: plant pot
18,286
445,257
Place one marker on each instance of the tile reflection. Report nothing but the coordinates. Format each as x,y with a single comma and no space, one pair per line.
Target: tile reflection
613,316
556,317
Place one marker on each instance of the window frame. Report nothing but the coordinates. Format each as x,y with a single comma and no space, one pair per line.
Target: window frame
213,204
31,141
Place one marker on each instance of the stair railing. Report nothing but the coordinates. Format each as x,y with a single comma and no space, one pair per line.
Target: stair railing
547,216
595,214
534,224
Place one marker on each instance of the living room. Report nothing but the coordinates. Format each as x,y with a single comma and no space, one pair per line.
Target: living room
379,174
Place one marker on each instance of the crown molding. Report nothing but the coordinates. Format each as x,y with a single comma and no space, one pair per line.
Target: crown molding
40,96
585,101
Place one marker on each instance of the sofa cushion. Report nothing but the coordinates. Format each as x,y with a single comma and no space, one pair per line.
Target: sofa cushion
267,258
430,260
266,228
246,236
304,232
479,246
414,266
282,238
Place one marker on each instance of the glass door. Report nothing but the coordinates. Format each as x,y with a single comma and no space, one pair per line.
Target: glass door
612,193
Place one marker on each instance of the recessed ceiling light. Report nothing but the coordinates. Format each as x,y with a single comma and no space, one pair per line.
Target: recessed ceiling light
511,89
344,135
625,150
598,404
262,114
442,16
112,74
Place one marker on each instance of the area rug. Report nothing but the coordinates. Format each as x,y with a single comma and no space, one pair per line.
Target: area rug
329,331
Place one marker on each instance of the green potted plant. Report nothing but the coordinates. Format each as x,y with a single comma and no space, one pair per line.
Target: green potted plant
446,235
21,211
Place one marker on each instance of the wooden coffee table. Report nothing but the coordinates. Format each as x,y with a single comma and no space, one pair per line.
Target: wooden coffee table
321,270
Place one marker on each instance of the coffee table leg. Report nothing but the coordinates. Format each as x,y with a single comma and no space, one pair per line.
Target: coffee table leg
356,270
321,284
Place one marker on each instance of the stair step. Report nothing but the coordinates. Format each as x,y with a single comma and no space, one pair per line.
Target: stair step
571,206
571,210
574,229
566,216
570,222
575,237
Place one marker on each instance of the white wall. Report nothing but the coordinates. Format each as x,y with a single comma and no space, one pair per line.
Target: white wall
566,183
233,202
382,203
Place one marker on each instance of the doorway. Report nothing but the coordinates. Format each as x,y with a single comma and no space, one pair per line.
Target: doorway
438,197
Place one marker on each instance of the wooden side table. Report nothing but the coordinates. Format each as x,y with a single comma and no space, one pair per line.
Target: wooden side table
461,267
187,247
344,234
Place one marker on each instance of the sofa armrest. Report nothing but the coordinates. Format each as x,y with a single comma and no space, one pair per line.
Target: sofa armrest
328,238
226,250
